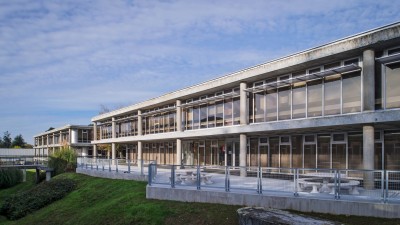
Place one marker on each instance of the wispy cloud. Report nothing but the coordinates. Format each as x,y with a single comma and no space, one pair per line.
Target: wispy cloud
59,60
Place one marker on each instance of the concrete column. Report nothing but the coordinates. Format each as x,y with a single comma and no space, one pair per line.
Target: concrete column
178,116
178,152
243,155
113,153
94,154
94,131
69,136
368,80
47,140
139,153
244,115
368,155
113,133
140,123
60,140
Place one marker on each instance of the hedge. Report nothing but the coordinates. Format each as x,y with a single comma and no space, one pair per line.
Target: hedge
21,204
10,177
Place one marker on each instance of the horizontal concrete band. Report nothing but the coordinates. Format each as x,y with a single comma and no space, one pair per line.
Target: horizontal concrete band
338,207
113,174
318,122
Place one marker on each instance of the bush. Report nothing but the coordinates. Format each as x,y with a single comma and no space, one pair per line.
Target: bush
63,161
21,204
10,177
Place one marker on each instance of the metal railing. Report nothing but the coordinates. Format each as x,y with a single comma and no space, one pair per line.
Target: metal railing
114,165
23,160
354,185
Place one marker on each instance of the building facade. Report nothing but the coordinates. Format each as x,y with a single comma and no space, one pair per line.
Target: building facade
77,137
333,106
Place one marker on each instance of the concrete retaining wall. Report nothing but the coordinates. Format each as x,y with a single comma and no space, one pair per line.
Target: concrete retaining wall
338,207
113,174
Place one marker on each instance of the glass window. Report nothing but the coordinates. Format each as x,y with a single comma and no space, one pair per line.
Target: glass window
203,116
274,152
299,101
314,98
332,65
393,51
228,112
297,148
332,95
219,116
196,117
351,92
189,118
236,111
211,115
272,105
285,101
355,150
324,151
351,61
259,106
392,150
392,85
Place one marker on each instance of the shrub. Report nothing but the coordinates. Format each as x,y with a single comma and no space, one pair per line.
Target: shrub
10,177
21,204
63,160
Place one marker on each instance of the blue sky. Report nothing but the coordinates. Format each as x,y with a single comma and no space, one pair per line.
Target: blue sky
61,60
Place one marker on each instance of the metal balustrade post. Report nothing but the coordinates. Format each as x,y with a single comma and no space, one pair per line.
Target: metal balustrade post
295,179
198,180
141,167
387,187
129,166
382,186
91,164
109,165
116,165
259,180
149,172
102,164
227,177
97,164
86,166
337,184
173,176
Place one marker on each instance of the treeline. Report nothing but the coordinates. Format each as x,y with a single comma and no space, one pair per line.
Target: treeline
17,142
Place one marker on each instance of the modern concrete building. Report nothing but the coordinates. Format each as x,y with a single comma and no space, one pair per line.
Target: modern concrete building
332,106
77,137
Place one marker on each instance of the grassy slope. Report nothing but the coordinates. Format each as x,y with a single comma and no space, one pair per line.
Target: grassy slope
103,201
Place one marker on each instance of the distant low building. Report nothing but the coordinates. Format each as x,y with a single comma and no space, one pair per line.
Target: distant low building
78,137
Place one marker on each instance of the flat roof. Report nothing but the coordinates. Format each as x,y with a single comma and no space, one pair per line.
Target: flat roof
68,126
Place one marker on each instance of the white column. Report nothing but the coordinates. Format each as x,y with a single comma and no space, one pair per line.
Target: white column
178,116
140,123
113,133
243,155
244,115
113,153
139,153
368,155
94,154
94,131
178,152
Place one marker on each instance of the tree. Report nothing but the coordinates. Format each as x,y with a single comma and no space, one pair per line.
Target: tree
18,142
50,128
6,140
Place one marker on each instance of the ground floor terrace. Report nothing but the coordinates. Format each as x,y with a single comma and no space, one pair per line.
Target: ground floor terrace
335,191
364,147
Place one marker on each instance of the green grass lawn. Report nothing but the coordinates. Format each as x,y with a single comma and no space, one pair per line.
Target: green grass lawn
104,201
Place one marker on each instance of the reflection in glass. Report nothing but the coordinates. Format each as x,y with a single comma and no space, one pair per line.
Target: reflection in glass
285,101
351,92
392,85
332,96
299,102
271,99
314,98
